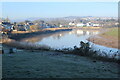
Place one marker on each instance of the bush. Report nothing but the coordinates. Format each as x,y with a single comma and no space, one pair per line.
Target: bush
85,50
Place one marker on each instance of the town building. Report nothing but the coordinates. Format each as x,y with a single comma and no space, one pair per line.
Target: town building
60,25
71,24
96,25
89,24
80,25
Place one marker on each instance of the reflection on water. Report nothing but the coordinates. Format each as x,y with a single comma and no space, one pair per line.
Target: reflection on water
67,39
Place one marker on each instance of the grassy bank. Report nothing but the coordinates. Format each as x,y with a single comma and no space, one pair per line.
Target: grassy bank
51,64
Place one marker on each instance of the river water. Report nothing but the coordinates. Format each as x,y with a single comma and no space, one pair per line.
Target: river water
69,39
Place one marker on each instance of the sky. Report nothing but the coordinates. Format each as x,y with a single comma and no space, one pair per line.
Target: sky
60,0
20,10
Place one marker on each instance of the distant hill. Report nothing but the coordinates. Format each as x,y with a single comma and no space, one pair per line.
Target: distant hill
68,18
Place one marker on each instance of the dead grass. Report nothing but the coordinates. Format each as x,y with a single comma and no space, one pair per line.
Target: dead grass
51,29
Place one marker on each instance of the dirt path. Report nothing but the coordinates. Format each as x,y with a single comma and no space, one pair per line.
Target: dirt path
44,64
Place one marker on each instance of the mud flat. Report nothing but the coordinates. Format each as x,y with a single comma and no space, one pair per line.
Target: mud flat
109,38
105,41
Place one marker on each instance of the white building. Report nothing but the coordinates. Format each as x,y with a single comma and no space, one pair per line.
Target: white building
89,24
117,23
96,25
80,25
92,24
60,25
71,24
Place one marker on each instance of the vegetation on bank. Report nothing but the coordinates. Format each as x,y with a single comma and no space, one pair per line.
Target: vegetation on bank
51,29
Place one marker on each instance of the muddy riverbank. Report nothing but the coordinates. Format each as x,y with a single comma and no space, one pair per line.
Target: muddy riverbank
107,38
105,41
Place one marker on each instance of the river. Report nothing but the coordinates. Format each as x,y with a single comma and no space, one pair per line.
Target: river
69,39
